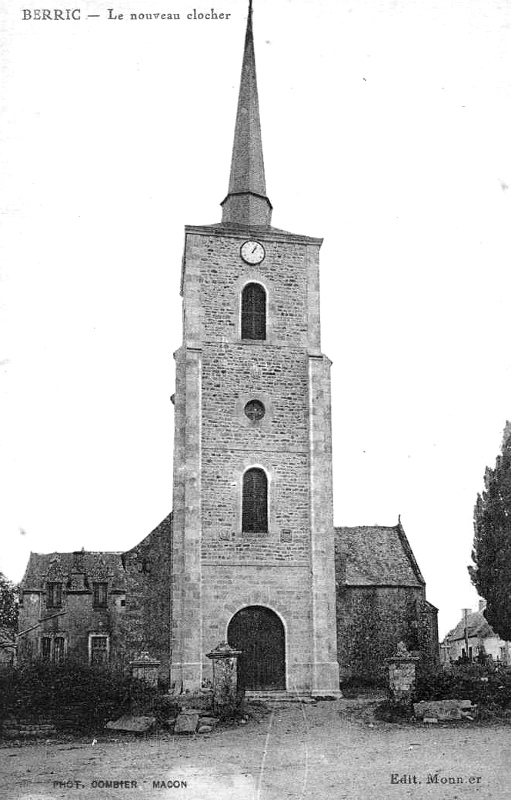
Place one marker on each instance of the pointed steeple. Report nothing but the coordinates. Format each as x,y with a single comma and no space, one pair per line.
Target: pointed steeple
246,202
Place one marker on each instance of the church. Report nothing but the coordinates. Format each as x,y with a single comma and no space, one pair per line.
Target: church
249,554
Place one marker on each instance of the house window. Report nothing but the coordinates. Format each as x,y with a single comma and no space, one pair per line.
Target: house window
253,312
54,595
255,501
58,649
53,648
100,591
98,650
46,648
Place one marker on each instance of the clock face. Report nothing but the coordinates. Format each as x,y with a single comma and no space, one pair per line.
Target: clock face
252,252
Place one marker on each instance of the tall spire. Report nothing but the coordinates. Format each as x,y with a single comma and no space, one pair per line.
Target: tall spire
246,202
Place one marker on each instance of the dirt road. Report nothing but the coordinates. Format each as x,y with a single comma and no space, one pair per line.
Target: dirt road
331,751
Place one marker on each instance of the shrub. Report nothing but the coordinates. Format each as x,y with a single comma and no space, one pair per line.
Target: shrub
203,701
95,694
356,685
486,685
164,708
393,711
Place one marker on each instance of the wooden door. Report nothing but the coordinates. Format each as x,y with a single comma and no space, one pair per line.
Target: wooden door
259,634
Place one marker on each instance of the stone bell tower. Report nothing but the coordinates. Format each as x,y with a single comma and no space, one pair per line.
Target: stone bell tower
253,535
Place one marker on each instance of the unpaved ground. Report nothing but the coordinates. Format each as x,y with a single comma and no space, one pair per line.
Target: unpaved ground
333,750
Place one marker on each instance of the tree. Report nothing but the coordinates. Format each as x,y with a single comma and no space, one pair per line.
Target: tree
8,603
491,551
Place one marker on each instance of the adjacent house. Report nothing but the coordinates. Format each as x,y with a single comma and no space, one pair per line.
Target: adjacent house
98,607
474,631
72,604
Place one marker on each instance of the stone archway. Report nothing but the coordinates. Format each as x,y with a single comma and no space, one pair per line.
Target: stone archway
259,633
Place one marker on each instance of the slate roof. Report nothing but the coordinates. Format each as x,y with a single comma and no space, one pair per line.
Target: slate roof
375,555
99,566
477,625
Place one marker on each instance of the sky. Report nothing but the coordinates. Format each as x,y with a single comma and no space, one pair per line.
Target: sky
386,127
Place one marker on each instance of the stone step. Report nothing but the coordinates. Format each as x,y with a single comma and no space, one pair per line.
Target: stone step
282,696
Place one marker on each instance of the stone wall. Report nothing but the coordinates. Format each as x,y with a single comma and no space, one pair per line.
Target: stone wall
147,614
74,621
227,589
217,567
372,620
137,612
283,272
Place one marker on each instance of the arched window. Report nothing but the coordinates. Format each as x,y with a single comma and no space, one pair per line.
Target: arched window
255,501
253,312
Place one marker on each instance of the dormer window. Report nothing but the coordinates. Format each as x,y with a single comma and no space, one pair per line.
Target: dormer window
54,595
100,595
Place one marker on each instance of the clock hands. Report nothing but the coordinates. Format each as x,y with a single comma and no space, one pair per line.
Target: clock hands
252,252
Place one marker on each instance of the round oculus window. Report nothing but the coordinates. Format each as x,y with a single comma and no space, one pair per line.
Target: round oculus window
255,410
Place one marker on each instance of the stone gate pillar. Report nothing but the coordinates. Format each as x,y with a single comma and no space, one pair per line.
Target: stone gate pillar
225,674
145,668
402,673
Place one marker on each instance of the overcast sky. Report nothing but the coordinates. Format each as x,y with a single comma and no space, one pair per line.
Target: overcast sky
386,129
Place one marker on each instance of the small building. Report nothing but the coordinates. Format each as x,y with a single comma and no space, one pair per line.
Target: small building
72,605
381,601
98,607
474,629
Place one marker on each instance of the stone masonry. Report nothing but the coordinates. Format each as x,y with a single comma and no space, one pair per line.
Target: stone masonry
290,568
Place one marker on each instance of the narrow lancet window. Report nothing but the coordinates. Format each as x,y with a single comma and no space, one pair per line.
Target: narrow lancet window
255,501
253,312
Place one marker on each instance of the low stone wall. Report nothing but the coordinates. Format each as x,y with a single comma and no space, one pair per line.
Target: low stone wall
16,729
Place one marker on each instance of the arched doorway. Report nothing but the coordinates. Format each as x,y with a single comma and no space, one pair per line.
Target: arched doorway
259,634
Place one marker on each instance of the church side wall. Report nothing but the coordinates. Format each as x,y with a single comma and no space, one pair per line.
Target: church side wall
147,614
371,620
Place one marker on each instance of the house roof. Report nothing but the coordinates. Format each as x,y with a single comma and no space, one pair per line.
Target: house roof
477,625
43,567
96,566
375,555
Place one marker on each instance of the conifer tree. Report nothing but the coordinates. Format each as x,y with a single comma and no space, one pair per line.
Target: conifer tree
491,553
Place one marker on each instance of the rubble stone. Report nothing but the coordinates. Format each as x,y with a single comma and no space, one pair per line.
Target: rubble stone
442,709
186,723
132,724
